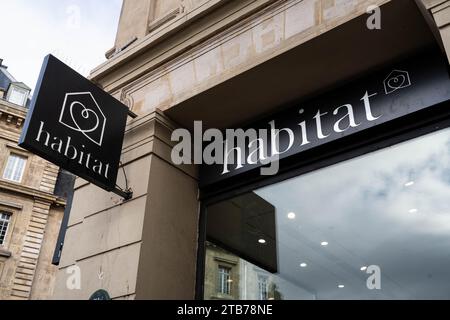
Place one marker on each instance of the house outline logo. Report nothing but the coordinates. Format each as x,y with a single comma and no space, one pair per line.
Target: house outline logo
396,80
82,105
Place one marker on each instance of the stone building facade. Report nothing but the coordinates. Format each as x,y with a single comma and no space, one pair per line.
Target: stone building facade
31,213
226,63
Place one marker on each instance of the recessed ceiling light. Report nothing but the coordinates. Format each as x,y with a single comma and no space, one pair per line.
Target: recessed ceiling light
413,210
230,281
291,215
341,286
262,241
363,268
324,244
303,265
409,184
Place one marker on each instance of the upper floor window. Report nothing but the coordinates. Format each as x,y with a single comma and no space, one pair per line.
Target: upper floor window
4,223
224,280
263,288
15,168
18,95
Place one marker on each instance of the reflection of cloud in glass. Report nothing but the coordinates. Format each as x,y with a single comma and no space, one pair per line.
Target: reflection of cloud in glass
375,185
365,210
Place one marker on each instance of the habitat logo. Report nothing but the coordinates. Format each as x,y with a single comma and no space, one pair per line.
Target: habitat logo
81,113
397,79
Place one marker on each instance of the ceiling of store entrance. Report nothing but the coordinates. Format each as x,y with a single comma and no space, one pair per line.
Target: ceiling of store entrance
255,219
320,64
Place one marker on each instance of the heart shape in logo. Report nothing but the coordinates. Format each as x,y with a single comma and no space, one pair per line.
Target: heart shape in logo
397,82
84,119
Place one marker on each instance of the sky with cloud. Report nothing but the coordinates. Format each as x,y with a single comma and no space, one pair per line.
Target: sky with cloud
78,32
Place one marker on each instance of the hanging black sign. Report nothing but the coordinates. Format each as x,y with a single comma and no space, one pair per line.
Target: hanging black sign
75,125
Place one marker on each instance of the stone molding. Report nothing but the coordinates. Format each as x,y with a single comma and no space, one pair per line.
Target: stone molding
158,68
243,10
29,256
31,192
12,205
5,253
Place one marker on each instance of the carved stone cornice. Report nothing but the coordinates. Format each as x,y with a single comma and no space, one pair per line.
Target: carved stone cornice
163,20
12,114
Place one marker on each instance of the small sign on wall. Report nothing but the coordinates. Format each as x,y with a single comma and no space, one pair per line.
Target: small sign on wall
100,295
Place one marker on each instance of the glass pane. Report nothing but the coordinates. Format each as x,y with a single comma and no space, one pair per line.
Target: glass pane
14,168
20,165
9,168
4,222
17,96
224,281
375,227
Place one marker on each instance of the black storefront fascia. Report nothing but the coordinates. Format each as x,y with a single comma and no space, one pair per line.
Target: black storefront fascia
388,95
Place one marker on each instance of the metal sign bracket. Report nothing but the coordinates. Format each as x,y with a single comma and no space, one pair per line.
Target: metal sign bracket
126,194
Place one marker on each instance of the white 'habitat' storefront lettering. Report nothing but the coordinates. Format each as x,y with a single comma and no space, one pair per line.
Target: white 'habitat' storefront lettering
242,147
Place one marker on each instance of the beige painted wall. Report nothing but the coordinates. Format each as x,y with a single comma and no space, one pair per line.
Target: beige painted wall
167,263
140,17
441,13
133,21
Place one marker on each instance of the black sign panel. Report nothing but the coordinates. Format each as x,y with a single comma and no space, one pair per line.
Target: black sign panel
404,88
75,125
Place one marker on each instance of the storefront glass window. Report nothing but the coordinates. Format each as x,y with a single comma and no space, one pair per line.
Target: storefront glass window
374,227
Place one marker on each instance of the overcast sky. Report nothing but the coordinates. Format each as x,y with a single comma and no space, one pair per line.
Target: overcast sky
79,32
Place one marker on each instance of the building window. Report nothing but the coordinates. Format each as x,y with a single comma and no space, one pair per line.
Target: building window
4,223
15,168
18,96
225,280
263,288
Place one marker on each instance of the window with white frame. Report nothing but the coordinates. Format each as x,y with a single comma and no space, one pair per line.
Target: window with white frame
224,280
15,168
18,96
263,288
4,224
